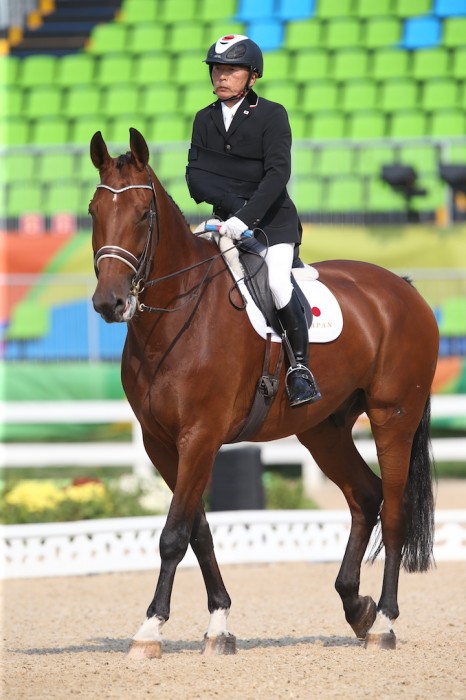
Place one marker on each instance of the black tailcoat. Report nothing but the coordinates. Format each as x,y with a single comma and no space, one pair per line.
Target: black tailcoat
244,172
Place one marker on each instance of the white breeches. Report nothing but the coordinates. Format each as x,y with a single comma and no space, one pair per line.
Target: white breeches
279,259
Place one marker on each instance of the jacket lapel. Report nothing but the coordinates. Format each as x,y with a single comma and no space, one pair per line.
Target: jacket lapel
243,112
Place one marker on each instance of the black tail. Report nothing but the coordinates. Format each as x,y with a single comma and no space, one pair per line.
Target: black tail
417,553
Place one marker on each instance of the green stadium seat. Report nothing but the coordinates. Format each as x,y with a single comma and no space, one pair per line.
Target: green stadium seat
327,9
307,194
172,164
114,68
277,65
9,70
37,70
370,124
423,158
42,101
118,128
121,99
462,96
83,128
152,66
447,122
62,198
327,125
167,127
82,100
302,35
408,123
209,10
310,65
146,37
284,91
24,198
435,196
179,192
412,8
455,154
159,98
185,35
369,159
343,33
438,94
389,63
11,101
430,63
49,130
108,38
359,95
334,160
381,31
17,167
399,94
14,130
345,194
298,122
195,97
453,317
459,63
172,12
454,31
75,69
382,198
189,67
348,64
134,11
302,160
55,167
84,168
369,8
318,96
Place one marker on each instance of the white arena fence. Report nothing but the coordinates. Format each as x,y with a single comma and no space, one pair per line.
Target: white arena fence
240,537
132,453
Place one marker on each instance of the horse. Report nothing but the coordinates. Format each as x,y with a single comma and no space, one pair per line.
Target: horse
189,369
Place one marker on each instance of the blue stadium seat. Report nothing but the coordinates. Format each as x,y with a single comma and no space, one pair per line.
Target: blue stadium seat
251,9
295,9
268,33
449,8
421,33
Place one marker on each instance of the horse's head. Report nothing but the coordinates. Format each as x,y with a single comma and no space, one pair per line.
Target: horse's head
123,212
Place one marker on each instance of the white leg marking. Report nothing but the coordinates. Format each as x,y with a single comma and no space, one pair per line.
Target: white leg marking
150,630
382,625
218,623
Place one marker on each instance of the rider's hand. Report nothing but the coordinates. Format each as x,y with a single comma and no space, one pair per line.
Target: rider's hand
200,230
233,228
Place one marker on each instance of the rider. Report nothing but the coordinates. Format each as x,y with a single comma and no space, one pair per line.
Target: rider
240,162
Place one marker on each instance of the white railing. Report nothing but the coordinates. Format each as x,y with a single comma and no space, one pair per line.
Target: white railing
132,453
240,537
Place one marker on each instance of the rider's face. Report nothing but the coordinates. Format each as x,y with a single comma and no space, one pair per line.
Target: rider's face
229,81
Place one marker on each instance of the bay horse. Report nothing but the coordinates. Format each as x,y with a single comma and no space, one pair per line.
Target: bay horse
189,369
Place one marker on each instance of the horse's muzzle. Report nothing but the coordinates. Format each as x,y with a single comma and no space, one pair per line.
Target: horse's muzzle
114,309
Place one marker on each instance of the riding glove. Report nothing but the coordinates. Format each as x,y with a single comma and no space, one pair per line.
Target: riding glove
233,228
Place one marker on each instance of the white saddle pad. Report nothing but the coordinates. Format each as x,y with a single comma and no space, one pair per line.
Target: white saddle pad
327,319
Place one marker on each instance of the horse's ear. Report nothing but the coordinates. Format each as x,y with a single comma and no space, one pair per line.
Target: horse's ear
99,152
139,149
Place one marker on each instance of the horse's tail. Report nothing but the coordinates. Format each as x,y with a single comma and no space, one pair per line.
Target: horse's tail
417,553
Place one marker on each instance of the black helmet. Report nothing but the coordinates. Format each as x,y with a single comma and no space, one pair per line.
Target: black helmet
236,50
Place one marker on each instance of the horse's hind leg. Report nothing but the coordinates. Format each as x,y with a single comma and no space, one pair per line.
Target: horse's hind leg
333,449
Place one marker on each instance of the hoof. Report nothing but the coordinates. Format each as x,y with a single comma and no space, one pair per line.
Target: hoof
387,640
366,619
145,650
219,646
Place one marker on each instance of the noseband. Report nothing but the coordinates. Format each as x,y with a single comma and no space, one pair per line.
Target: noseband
140,265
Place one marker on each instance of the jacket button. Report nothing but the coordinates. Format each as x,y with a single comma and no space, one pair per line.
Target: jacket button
228,147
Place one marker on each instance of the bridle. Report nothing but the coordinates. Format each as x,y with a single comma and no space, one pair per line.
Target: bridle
140,265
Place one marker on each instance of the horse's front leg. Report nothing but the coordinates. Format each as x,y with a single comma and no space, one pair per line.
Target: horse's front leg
217,639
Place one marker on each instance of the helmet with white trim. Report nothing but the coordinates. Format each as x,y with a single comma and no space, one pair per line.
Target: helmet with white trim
236,50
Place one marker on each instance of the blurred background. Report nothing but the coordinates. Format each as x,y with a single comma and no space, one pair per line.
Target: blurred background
376,94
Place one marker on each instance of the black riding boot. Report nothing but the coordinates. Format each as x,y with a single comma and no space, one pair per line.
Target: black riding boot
301,386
